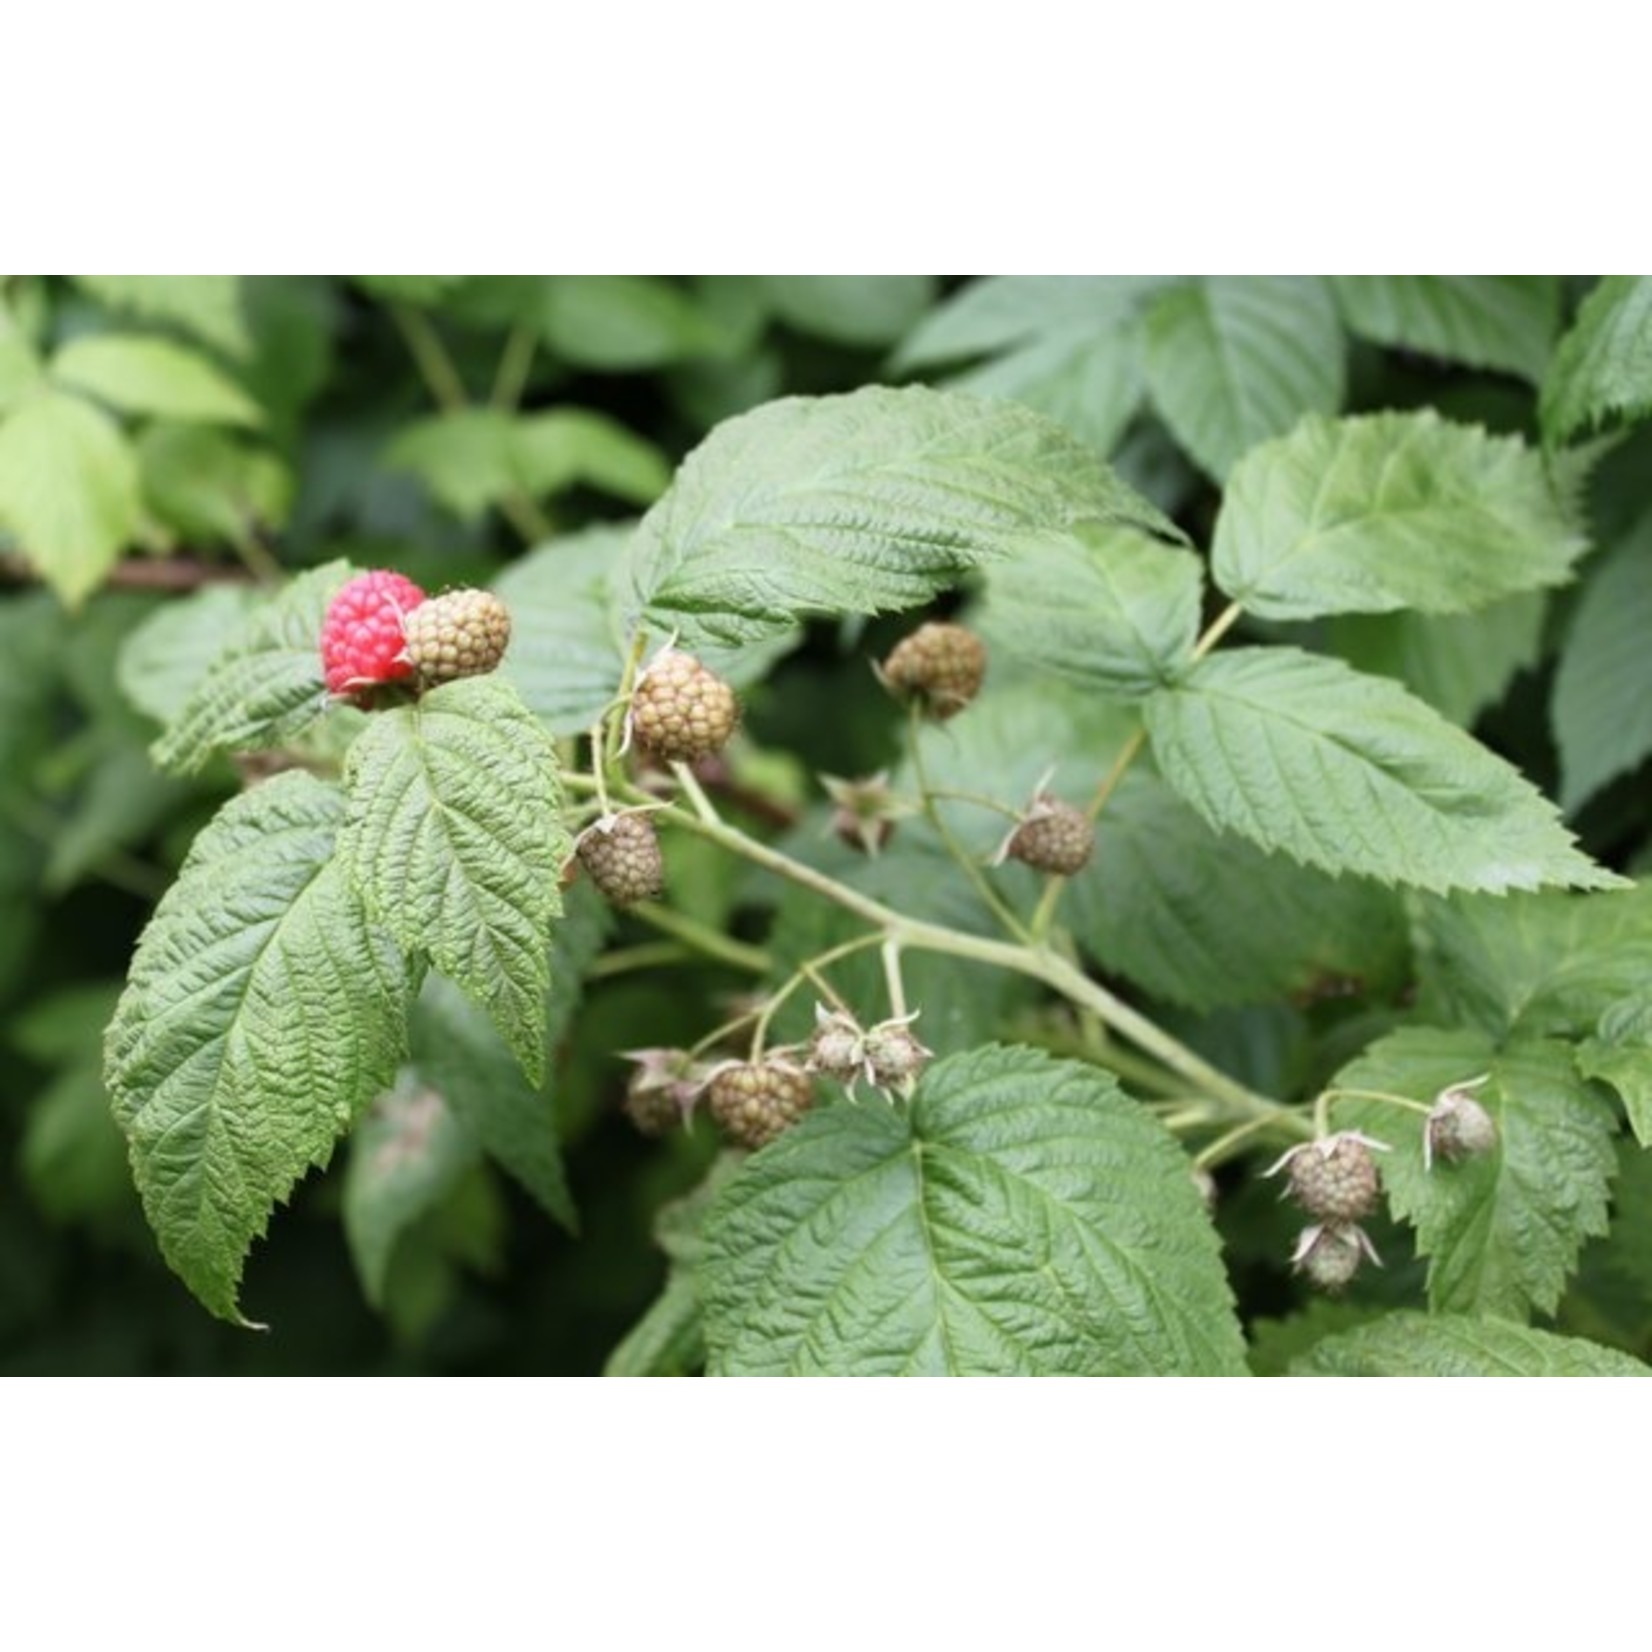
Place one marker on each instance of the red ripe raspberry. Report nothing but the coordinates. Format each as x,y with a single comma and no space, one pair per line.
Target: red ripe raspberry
362,641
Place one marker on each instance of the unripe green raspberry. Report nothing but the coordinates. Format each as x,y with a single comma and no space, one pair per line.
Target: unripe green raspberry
1053,837
460,634
1330,1256
1334,1178
681,710
940,666
622,855
753,1102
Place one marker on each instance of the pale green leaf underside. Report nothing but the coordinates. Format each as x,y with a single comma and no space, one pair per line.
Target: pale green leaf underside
455,840
1620,1052
856,504
1204,920
1021,1216
1417,1345
1233,360
1458,663
261,1013
209,306
167,654
1603,366
68,490
1349,773
1541,964
1386,511
1500,321
1502,1230
1108,606
154,378
864,310
265,685
1603,688
406,1156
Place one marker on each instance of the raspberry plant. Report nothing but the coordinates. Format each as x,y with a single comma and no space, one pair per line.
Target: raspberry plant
1115,811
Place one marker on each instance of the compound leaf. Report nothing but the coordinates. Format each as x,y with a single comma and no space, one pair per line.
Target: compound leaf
1020,1215
455,841
1500,321
1503,1230
856,504
1346,772
1603,366
1454,1345
265,684
263,1011
152,377
207,306
1235,359
1386,511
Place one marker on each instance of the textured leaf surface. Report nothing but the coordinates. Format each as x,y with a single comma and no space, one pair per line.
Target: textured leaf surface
1603,366
265,684
856,504
865,310
1022,1216
207,306
68,490
1069,346
153,377
261,1013
1235,359
406,1156
1108,606
1204,919
569,635
1417,1345
1350,773
1385,511
455,841
460,1052
1603,687
1620,1052
1540,964
1501,321
166,655
1458,663
1502,1230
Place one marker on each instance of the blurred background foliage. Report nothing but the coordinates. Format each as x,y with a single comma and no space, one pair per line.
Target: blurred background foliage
164,437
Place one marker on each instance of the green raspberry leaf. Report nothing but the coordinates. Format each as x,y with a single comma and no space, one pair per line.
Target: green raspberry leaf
1620,1052
68,490
1235,359
1021,1215
1603,367
869,311
1105,605
206,306
262,1012
167,654
1503,1229
1417,1345
154,378
1603,687
1386,511
1506,322
265,685
569,635
1350,773
856,504
455,841
1544,965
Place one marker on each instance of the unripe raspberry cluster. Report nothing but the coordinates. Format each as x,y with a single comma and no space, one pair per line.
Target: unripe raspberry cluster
381,628
1334,1179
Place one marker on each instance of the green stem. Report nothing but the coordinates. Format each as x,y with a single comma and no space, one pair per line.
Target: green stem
926,797
515,363
1217,629
1338,1093
624,960
809,970
702,937
1214,1152
1038,963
